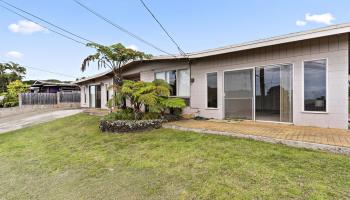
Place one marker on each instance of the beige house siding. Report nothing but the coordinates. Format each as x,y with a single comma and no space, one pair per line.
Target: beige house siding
333,48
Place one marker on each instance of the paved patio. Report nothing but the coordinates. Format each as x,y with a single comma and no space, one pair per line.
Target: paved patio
325,136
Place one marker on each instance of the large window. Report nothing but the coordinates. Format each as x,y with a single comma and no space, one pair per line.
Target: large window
315,84
179,85
184,83
212,90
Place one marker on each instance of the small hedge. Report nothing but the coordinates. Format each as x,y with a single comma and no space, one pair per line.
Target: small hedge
124,126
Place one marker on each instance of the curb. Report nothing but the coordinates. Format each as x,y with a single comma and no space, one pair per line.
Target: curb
292,143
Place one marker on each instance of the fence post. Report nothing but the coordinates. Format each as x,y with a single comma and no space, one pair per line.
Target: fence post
58,98
20,100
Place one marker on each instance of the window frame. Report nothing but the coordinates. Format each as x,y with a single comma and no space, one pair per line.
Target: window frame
303,87
177,80
107,93
217,91
84,88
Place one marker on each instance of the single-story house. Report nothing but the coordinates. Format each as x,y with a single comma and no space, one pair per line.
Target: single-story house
299,78
41,86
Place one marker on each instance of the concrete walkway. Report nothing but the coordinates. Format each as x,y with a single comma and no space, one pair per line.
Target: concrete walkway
28,119
335,140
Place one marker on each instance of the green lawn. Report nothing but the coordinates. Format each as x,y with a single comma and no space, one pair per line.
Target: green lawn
70,159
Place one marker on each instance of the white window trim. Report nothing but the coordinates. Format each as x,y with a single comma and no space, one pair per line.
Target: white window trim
303,88
259,66
177,80
217,91
223,89
293,89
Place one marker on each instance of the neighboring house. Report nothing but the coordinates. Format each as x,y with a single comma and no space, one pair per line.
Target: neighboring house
53,87
299,78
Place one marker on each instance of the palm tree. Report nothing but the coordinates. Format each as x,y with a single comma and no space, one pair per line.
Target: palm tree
113,57
2,68
16,70
10,72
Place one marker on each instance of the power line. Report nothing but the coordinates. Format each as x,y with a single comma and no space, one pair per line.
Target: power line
121,28
47,71
61,34
166,32
50,23
51,72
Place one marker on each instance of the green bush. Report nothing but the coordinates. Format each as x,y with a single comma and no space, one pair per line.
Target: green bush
151,115
126,114
11,96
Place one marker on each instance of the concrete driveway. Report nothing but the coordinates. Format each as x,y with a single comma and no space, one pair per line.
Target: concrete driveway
19,121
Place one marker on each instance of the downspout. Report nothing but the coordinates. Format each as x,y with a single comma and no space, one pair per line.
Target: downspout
190,67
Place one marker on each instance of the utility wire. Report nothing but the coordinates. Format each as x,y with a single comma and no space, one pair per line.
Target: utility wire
51,72
43,70
61,34
166,32
121,28
50,23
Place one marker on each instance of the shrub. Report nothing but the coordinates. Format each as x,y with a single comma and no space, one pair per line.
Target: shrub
151,115
171,117
10,98
154,95
126,114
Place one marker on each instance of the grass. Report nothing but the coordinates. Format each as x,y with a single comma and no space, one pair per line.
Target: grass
70,159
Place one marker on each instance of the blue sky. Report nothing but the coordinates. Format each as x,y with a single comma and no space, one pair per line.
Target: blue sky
195,25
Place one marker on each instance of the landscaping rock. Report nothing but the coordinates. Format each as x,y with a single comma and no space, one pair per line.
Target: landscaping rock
125,126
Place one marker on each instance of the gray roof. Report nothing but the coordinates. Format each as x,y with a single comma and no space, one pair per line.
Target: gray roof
49,83
292,37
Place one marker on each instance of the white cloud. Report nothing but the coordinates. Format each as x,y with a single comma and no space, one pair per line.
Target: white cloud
14,54
300,23
25,27
325,18
133,47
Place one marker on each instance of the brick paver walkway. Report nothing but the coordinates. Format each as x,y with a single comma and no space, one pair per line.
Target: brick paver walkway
327,136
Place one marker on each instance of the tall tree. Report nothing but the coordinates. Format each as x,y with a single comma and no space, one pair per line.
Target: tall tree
113,57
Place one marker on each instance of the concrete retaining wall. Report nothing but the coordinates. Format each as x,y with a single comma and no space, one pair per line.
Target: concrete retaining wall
4,112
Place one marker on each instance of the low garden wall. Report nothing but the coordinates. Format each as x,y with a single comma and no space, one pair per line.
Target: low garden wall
125,126
4,112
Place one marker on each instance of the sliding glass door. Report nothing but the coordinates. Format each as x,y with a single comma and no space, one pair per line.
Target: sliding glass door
267,93
238,86
267,97
95,96
92,96
273,93
286,94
